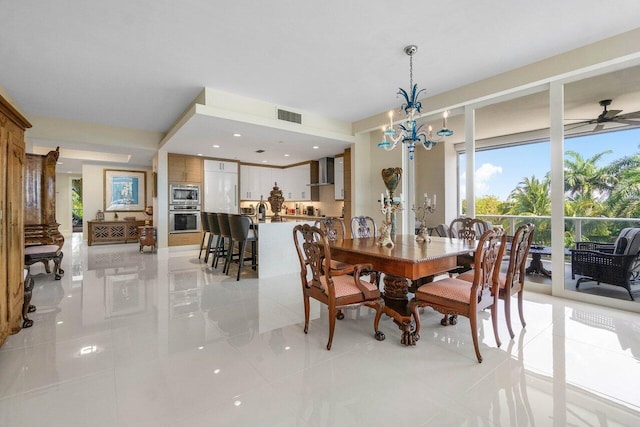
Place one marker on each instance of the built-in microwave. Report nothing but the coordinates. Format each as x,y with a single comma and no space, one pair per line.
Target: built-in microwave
184,194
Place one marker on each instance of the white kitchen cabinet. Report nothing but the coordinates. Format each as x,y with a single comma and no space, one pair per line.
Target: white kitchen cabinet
220,166
220,186
256,181
338,174
295,185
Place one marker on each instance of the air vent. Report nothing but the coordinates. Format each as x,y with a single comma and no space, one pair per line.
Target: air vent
289,116
260,151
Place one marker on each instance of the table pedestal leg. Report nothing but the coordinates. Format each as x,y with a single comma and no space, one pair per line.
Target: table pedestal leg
396,300
536,266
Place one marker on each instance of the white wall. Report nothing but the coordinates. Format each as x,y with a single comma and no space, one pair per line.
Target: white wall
93,192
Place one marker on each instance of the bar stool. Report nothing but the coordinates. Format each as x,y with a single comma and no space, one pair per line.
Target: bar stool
205,230
225,232
241,233
218,249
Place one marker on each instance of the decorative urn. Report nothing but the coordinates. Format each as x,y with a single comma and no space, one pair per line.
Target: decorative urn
276,200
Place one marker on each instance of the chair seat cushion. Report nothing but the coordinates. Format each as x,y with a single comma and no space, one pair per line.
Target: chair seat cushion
450,288
41,249
346,286
468,276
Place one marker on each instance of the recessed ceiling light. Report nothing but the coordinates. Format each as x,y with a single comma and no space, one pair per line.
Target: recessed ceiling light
199,154
315,147
59,163
237,135
216,146
264,161
69,171
286,155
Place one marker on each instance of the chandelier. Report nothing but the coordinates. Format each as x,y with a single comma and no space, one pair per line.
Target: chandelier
408,132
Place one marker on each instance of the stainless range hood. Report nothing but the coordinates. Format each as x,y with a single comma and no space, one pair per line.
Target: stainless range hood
325,171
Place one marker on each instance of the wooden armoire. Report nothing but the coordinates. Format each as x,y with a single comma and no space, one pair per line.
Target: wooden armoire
40,225
12,164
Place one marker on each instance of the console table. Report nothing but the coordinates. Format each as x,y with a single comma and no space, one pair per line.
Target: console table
113,231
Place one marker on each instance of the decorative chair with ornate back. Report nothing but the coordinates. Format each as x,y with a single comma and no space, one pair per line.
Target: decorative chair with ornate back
512,281
467,229
452,296
334,288
334,229
363,227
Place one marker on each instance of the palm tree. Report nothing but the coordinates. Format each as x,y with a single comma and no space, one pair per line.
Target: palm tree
531,197
624,200
583,178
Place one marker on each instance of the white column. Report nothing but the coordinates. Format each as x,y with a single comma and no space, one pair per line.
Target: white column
556,113
470,151
161,208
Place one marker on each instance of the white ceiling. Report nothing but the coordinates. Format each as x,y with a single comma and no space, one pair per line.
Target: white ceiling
139,64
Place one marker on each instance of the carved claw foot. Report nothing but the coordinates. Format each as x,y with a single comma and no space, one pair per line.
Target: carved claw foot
31,308
58,277
61,271
409,338
380,336
27,323
449,320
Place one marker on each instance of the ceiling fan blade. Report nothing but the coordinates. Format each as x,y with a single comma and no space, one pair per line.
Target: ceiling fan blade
611,114
572,126
598,128
626,122
635,115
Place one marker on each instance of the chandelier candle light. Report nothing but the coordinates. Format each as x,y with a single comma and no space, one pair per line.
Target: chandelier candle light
388,208
409,132
422,211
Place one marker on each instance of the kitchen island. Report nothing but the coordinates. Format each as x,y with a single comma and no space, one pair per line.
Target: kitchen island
276,252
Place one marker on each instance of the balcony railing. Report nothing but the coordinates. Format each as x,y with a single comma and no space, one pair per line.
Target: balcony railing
577,229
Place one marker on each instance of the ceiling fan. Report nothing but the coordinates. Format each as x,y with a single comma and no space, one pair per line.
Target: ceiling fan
609,116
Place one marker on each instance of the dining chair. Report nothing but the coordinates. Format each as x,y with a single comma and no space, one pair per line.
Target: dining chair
206,236
512,281
334,229
334,288
242,233
468,229
452,296
363,227
225,232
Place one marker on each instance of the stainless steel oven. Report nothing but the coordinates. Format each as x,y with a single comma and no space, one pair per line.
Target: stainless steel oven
184,219
184,194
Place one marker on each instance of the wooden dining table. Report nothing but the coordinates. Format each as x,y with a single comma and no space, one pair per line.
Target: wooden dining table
407,261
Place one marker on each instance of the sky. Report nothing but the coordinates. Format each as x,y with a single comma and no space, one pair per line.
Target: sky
498,171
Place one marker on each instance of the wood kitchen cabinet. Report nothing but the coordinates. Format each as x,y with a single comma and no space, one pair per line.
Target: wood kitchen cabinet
12,166
185,169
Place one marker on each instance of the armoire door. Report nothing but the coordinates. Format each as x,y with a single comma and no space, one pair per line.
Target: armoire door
15,226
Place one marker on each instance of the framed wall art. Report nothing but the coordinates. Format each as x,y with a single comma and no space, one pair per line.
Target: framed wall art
124,190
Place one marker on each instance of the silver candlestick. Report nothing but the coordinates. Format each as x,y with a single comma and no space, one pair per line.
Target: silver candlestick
421,212
388,208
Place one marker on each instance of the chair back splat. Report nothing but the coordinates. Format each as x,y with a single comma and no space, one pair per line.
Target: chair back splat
334,288
332,227
363,227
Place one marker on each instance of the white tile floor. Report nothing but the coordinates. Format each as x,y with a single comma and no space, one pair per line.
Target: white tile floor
130,339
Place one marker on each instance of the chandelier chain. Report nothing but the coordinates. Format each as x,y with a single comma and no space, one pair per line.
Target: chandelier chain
410,71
